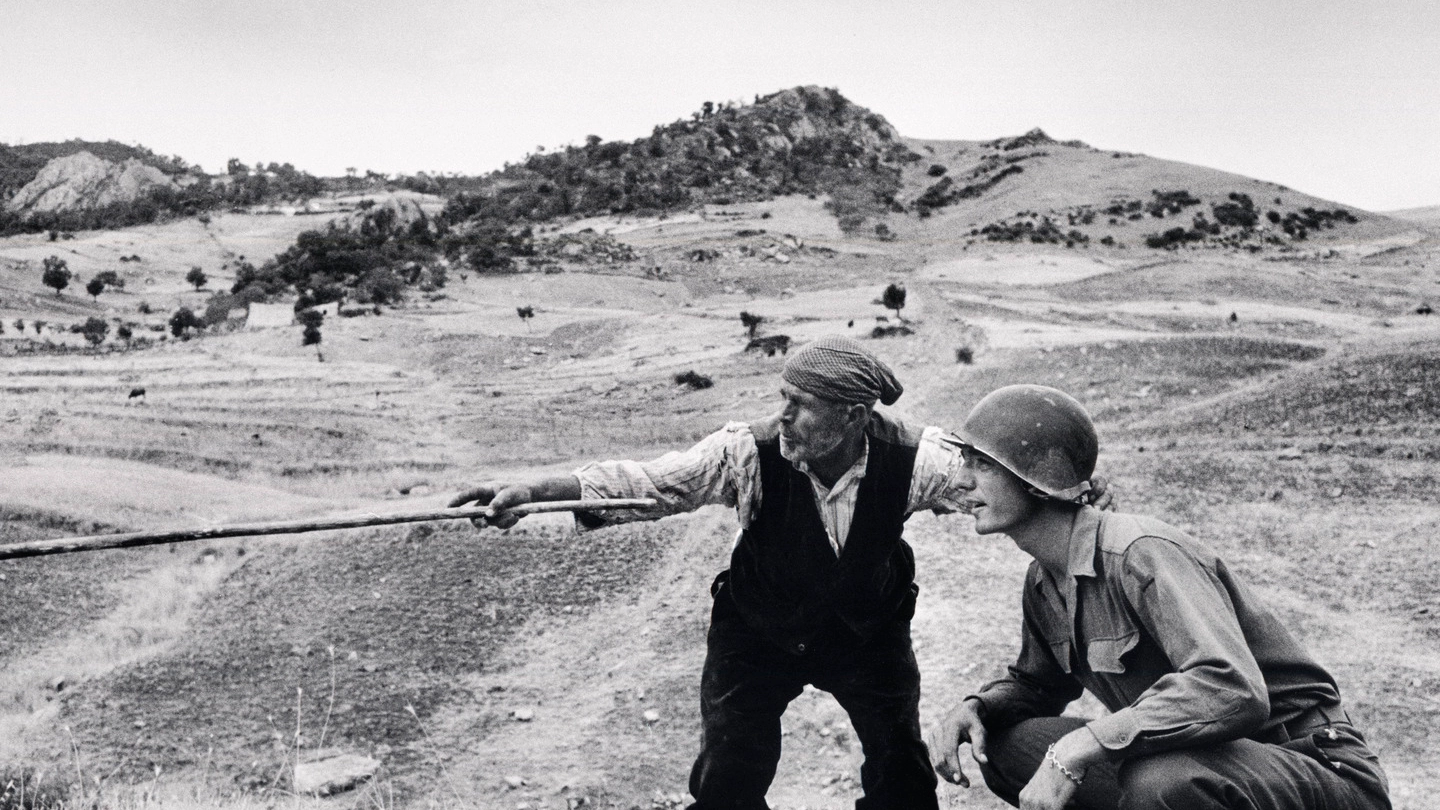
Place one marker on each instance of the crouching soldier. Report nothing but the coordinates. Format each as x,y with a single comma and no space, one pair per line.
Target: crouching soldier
1213,704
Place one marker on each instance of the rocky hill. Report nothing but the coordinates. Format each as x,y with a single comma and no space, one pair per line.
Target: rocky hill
804,140
20,164
85,181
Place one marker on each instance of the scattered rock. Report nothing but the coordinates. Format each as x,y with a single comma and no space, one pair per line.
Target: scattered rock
337,774
523,715
514,782
651,717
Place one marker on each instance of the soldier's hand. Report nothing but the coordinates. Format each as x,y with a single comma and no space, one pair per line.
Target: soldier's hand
961,725
1101,495
497,495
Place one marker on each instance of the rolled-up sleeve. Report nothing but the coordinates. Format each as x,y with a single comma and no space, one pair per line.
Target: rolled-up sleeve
935,481
1216,691
721,468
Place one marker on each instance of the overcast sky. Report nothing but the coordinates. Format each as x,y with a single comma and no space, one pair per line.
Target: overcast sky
1337,98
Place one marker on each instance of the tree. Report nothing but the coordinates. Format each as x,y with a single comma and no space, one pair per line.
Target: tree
525,313
95,286
183,320
311,320
56,273
197,277
125,333
894,298
111,279
751,323
95,330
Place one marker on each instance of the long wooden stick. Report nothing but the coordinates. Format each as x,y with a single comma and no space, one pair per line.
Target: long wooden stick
65,545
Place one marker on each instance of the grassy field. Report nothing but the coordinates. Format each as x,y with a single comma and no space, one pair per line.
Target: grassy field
540,667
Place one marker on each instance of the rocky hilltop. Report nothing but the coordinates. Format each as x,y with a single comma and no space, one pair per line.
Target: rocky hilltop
84,181
803,140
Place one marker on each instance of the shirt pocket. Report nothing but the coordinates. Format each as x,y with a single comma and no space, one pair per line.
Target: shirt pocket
1107,654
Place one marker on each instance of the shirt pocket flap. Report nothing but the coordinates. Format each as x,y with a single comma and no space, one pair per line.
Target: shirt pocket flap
1104,654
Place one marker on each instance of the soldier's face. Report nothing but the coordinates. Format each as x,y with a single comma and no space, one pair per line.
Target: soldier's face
810,427
997,498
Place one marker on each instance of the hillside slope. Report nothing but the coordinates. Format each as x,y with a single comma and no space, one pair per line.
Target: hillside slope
1279,403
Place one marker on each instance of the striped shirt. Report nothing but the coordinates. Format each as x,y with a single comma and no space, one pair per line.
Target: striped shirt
724,468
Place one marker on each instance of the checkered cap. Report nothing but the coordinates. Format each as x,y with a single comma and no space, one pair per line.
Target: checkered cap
839,369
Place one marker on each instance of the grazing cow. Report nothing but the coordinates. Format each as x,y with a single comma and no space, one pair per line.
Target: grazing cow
136,392
770,344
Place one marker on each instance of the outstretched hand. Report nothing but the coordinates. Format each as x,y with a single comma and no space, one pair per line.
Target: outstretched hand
499,497
961,725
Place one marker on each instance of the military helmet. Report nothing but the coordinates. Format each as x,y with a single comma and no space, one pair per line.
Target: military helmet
1039,433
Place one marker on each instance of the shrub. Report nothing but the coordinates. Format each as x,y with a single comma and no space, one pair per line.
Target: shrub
693,380
1169,203
182,321
1239,212
893,330
1173,238
936,170
965,355
94,330
310,320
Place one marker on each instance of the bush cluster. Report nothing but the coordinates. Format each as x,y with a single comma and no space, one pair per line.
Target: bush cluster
943,192
1238,212
1169,203
1298,224
1045,231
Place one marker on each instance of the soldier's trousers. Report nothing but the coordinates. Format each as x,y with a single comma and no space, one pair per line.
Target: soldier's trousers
1327,768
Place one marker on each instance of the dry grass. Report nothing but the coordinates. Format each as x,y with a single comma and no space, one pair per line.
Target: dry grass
590,631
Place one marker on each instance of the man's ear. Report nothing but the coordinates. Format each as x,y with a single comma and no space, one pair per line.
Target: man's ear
857,414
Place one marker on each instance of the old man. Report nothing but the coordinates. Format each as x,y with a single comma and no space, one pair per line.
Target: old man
820,589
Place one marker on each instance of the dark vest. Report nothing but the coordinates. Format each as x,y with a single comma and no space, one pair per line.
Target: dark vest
785,578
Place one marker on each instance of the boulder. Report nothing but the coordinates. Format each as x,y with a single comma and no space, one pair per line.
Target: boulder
331,775
391,215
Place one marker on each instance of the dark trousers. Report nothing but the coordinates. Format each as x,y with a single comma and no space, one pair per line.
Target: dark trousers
1309,772
747,683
